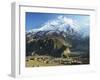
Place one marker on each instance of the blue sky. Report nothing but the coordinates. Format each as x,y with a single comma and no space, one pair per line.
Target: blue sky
36,20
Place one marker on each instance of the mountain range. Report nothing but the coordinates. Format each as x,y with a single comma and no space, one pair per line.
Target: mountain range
60,27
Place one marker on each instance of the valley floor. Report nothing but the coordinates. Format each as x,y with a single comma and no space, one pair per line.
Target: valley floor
43,60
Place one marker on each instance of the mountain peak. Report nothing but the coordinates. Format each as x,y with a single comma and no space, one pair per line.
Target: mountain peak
61,23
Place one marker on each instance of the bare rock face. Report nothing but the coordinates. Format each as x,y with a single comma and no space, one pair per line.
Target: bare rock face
66,53
51,46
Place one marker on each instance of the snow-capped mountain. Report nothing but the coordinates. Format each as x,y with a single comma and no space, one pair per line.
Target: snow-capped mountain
61,23
61,26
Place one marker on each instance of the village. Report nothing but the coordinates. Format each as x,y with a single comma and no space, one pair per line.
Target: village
37,61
